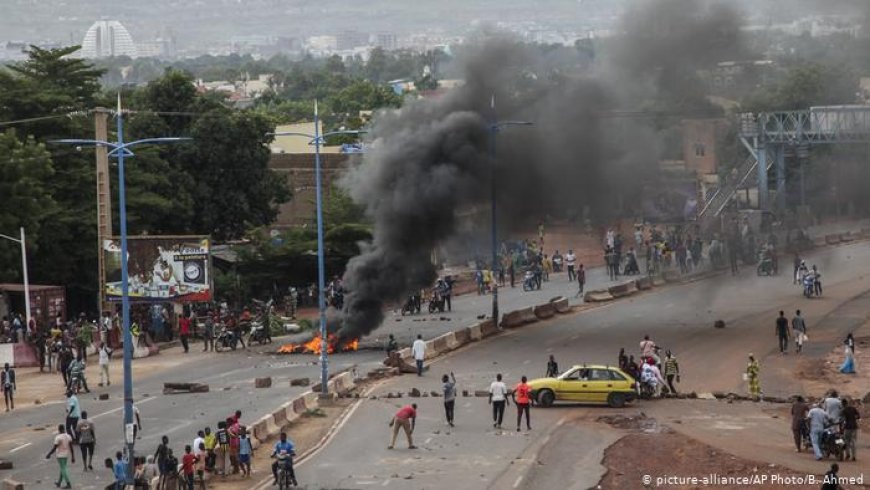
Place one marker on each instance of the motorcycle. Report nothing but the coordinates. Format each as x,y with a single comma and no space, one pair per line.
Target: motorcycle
226,339
631,267
76,383
285,472
765,266
412,305
529,282
809,285
557,264
436,302
833,444
259,333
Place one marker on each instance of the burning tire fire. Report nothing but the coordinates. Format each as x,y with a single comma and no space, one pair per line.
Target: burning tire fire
313,346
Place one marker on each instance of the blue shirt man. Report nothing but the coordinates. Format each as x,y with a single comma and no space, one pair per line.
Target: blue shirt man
284,449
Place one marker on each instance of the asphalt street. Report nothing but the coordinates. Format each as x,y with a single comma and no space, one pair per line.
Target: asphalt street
474,455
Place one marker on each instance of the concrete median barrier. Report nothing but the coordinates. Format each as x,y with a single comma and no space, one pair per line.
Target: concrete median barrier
10,484
462,336
622,290
561,304
475,333
847,237
832,239
439,345
597,296
544,311
819,241
643,283
512,319
528,315
671,276
487,328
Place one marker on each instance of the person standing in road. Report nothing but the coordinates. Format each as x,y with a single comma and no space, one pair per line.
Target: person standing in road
851,415
184,332
581,279
449,388
210,443
848,366
522,399
753,372
498,400
188,463
672,371
818,421
799,411
161,455
104,355
799,326
7,383
223,446
208,334
419,350
512,273
570,262
797,266
647,348
406,419
63,450
73,414
782,332
552,367
246,452
448,289
87,440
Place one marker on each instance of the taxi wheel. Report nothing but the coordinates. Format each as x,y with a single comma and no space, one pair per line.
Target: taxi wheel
616,400
546,398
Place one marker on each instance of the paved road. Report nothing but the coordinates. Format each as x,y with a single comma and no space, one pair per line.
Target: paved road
680,317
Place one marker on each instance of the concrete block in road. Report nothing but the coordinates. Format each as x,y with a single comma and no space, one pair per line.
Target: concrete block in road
597,296
847,237
263,382
5,464
474,333
10,484
643,283
481,393
300,382
832,239
561,304
819,241
175,388
528,315
544,311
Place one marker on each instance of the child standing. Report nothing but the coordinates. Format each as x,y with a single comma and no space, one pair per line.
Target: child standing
246,452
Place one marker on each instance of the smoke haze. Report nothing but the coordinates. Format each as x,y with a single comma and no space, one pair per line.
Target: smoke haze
431,158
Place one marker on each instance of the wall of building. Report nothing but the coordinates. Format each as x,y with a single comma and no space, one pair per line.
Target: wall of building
699,144
298,168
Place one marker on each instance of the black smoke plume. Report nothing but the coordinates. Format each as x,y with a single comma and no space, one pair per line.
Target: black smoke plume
431,158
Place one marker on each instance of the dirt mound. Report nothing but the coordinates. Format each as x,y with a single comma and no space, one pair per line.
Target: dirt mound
638,460
638,422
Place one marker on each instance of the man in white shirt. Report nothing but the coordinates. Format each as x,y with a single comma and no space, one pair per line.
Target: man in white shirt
200,439
498,400
833,407
104,353
570,260
647,348
419,350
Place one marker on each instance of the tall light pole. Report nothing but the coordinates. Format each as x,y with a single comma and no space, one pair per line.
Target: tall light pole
494,128
119,150
23,244
317,140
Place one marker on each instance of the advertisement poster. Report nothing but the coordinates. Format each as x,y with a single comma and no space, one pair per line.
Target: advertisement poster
160,269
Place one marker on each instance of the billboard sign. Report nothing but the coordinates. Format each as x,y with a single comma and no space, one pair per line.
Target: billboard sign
160,269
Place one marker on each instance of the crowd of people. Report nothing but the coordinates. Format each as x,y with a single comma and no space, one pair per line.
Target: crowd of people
820,424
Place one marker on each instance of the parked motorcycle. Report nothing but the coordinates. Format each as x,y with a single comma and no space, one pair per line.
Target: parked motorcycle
412,305
436,302
529,282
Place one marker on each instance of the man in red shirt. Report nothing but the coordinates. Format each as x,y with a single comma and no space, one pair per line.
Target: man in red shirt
188,463
522,399
184,331
406,418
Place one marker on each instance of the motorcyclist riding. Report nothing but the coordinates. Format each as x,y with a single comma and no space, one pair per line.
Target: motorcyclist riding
283,453
77,374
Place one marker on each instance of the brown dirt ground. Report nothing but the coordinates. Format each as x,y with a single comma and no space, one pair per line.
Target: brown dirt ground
639,454
306,433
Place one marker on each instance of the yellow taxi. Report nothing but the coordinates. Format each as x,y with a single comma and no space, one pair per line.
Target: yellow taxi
585,384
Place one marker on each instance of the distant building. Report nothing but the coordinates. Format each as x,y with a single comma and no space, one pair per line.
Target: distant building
298,169
347,40
298,144
107,38
386,40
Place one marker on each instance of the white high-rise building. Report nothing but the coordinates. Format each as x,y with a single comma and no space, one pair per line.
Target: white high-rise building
107,38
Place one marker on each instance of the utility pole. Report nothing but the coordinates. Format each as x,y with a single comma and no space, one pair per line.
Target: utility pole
104,198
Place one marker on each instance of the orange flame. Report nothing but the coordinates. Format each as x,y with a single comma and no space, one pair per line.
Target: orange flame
314,346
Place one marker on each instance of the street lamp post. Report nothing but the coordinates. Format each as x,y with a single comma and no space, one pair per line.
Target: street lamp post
317,140
119,150
494,129
23,244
